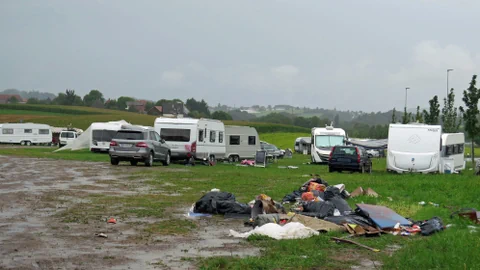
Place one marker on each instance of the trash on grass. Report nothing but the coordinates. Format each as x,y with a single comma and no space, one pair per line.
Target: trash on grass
354,243
292,230
112,221
101,235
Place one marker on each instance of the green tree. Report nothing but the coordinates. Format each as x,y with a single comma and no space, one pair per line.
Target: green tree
451,123
60,99
198,106
93,96
470,112
394,116
111,104
406,117
78,101
122,102
70,97
12,100
431,117
221,115
419,115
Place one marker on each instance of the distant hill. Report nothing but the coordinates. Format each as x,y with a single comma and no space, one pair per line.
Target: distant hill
30,94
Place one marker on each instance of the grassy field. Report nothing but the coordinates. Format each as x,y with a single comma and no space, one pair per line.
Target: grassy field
454,248
282,140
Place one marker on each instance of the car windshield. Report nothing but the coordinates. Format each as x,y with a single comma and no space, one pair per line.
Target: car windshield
130,135
328,140
67,135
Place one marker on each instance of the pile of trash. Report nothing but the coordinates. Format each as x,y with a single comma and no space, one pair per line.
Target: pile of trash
317,207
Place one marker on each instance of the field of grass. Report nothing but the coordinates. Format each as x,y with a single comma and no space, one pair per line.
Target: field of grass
26,112
282,140
454,248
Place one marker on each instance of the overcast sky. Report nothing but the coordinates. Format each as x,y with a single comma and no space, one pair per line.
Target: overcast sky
356,55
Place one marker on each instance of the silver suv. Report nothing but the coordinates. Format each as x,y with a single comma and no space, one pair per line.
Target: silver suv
142,144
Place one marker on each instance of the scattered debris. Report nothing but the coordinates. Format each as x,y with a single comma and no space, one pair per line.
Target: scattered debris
360,191
101,235
112,221
470,213
292,230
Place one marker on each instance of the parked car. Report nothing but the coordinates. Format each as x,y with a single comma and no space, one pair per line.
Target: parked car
373,153
349,158
271,150
139,145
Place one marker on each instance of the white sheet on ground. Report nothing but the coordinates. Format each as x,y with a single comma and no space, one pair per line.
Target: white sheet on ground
292,230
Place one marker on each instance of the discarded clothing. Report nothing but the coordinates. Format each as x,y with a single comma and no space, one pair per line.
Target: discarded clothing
431,226
317,224
263,219
220,203
292,230
341,205
318,209
292,196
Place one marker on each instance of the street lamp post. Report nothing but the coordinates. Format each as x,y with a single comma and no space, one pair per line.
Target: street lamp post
406,90
448,71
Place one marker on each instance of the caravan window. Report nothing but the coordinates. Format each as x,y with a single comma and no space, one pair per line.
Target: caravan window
455,149
27,130
252,140
7,131
234,140
200,135
212,136
220,137
103,135
175,134
449,150
43,131
460,148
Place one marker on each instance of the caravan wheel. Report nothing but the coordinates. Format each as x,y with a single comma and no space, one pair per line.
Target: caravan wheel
29,143
236,159
22,143
230,159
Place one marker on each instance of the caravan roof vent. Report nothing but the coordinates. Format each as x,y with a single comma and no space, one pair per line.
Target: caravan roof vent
329,127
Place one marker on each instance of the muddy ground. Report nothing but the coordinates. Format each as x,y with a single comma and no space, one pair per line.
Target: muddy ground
33,235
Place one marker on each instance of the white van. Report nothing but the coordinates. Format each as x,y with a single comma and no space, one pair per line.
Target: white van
67,137
414,148
322,141
188,137
241,142
453,145
25,133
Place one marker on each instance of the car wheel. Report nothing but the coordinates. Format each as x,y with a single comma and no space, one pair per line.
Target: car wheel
133,163
114,161
149,160
166,162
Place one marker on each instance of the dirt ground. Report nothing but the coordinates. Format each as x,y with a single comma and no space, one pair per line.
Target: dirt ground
34,192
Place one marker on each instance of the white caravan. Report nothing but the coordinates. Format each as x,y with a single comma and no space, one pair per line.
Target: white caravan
241,142
303,145
189,137
322,141
414,148
453,157
25,133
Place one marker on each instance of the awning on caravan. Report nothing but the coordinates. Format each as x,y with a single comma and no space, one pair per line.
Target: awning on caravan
370,144
305,140
83,141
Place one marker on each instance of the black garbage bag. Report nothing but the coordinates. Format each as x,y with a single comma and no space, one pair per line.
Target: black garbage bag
431,226
291,197
220,203
351,219
341,205
318,209
331,192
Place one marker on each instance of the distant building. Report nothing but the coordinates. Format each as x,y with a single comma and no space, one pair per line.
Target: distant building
155,110
4,99
174,109
139,105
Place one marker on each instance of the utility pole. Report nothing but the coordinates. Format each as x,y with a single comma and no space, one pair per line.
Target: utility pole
406,90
